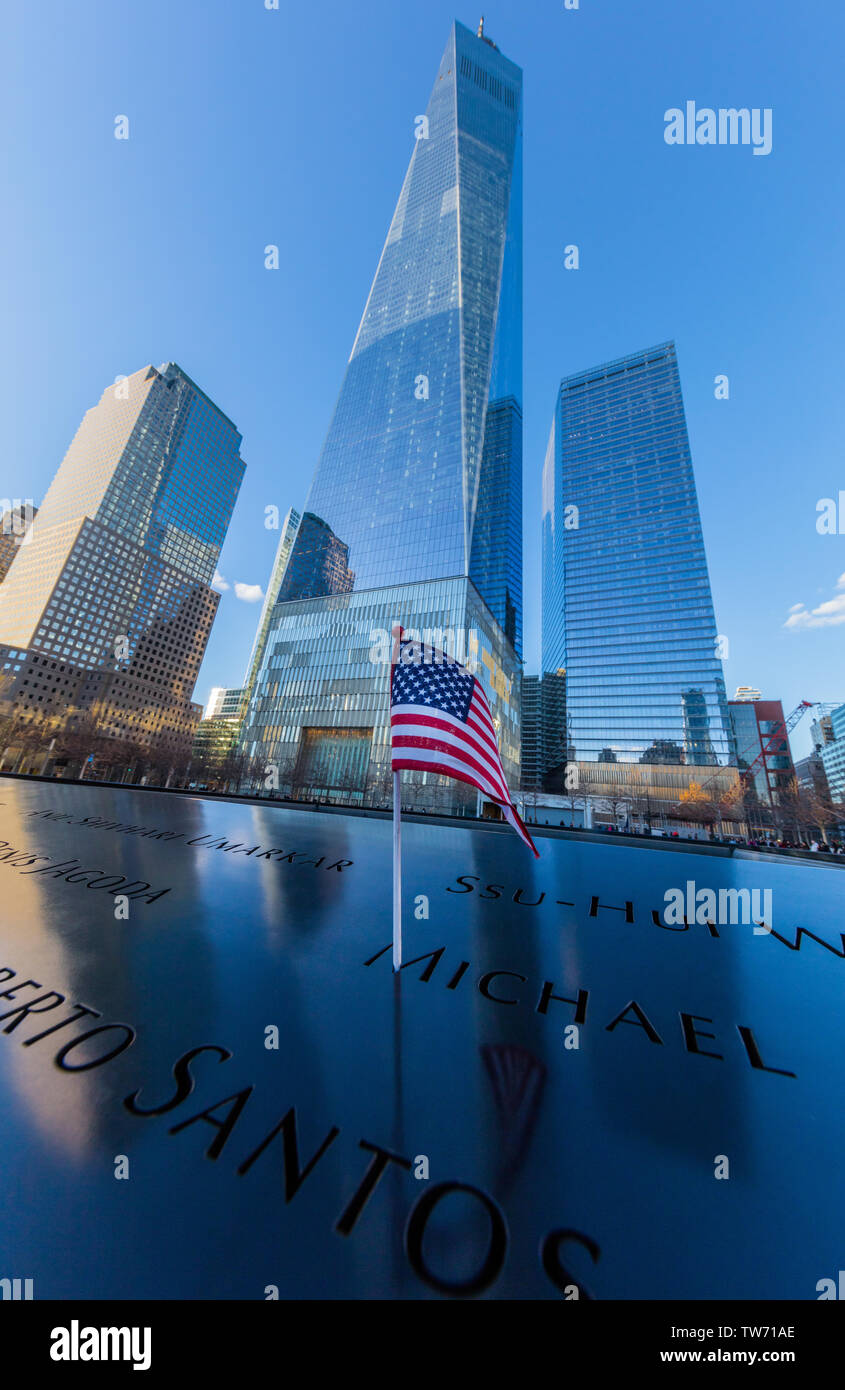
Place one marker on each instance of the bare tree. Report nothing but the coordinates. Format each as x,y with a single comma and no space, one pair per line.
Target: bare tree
22,740
697,804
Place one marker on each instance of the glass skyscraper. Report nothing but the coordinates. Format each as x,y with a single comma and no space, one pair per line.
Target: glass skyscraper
414,513
15,523
110,599
280,564
543,727
627,607
833,756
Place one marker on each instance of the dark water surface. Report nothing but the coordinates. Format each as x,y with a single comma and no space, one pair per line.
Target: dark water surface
463,1065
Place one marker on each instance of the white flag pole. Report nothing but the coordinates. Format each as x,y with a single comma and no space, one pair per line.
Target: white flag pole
397,873
397,831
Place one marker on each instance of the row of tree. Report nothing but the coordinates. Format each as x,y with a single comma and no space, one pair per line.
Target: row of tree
78,748
799,814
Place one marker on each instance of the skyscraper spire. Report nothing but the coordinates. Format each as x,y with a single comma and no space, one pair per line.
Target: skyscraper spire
481,34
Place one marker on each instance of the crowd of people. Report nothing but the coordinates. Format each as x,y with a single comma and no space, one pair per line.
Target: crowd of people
763,842
814,846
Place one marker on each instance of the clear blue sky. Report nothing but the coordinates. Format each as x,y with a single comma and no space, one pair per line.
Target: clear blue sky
294,127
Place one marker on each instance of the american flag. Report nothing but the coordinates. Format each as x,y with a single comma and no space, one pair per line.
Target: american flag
440,721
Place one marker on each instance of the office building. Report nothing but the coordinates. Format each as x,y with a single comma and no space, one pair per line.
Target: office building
627,608
277,576
229,703
413,515
760,733
821,729
15,523
107,609
543,705
496,558
810,776
217,733
224,702
833,756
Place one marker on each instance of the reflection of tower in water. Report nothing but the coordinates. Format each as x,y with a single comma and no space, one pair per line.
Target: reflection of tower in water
69,939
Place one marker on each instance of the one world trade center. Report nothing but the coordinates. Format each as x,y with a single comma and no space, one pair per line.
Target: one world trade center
415,510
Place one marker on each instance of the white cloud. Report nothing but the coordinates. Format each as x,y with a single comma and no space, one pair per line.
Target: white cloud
218,582
248,593
831,613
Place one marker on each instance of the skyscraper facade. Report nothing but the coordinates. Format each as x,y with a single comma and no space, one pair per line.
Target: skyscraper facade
224,701
288,535
15,523
110,601
833,756
414,513
318,564
810,777
821,729
496,557
543,727
229,703
627,607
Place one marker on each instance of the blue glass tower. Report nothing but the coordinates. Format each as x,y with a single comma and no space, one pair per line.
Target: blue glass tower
414,513
627,607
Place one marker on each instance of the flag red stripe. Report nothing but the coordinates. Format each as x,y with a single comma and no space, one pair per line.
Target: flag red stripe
480,707
492,786
406,723
427,738
481,719
462,758
479,694
482,730
508,809
458,726
516,821
446,772
481,723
